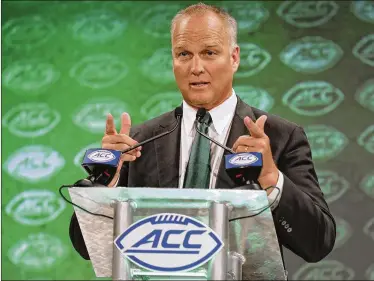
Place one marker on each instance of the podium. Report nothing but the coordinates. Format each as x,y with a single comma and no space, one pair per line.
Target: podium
179,234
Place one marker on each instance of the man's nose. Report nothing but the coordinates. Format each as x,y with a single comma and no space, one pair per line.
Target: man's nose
197,67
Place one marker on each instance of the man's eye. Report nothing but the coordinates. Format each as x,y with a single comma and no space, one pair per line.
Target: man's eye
210,53
183,54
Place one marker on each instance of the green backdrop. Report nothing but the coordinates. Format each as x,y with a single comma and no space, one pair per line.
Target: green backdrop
66,64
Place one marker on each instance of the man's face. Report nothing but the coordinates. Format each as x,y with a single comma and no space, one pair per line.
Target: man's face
203,61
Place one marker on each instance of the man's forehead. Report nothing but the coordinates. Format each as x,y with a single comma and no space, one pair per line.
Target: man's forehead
203,32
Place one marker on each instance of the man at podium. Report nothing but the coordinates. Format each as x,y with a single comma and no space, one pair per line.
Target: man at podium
205,57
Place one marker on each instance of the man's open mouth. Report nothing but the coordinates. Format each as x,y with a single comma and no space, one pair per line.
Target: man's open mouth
199,83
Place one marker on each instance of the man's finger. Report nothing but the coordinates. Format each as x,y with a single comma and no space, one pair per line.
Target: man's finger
125,123
253,128
110,128
260,122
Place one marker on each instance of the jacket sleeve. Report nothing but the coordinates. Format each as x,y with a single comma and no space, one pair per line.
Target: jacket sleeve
302,219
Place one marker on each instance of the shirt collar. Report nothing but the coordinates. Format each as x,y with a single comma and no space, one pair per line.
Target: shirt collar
221,115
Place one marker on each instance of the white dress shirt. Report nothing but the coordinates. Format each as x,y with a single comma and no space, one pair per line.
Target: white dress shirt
222,116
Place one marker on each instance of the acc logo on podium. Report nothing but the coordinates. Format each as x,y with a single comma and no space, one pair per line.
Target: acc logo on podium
169,242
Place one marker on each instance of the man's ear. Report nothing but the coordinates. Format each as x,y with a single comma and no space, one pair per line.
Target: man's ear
235,58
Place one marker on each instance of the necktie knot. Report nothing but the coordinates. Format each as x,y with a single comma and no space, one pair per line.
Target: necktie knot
207,119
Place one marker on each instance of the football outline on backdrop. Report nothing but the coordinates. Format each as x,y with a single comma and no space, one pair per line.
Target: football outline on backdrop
159,66
366,139
253,59
361,9
99,71
367,184
343,232
156,19
364,48
332,184
30,77
34,163
98,26
369,274
254,96
160,103
293,55
35,207
29,120
91,115
313,98
289,11
369,228
249,15
319,271
365,94
38,251
326,142
19,32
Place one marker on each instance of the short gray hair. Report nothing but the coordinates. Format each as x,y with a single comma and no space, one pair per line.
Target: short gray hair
202,8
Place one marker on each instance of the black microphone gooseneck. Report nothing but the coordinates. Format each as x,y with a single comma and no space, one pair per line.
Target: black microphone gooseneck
178,114
199,116
246,183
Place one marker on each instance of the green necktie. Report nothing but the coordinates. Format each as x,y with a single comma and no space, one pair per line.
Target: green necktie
198,168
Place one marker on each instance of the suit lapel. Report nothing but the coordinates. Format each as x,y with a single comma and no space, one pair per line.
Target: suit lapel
237,129
167,152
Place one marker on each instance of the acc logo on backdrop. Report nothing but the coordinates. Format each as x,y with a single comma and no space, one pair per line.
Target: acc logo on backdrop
156,240
326,142
365,94
307,14
40,251
99,71
313,98
253,60
366,139
92,115
249,15
159,66
30,77
343,232
156,19
160,103
27,32
324,270
31,119
35,207
369,228
311,54
367,184
364,49
34,163
364,10
98,26
332,185
255,97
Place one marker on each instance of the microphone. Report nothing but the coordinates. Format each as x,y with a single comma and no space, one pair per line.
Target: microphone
199,116
101,164
243,168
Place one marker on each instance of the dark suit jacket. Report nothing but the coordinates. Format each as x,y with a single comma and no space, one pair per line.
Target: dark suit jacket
302,205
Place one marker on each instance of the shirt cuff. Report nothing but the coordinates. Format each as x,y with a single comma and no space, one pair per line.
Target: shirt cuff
275,194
